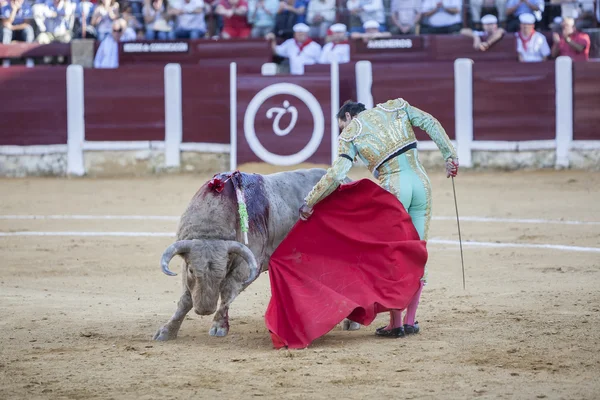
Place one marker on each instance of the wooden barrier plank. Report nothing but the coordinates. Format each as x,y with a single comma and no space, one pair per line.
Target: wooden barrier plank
586,101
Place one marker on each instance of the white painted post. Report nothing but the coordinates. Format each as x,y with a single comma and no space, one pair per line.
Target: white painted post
564,110
463,109
173,115
268,69
335,107
233,116
75,120
364,83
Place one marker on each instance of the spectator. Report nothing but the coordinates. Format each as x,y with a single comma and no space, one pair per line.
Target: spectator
443,16
136,7
337,48
406,14
320,16
133,23
516,8
299,50
285,20
581,11
235,19
493,7
483,40
571,42
532,46
107,55
297,8
55,23
190,19
372,30
83,27
261,14
17,19
367,10
156,24
106,12
127,33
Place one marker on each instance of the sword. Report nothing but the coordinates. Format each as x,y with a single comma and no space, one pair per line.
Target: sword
459,236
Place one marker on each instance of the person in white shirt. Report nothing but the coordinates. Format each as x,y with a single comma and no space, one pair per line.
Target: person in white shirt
299,50
107,55
367,10
532,46
406,14
320,16
443,16
190,18
338,48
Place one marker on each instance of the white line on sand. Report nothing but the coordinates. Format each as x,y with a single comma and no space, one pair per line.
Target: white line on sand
432,241
175,218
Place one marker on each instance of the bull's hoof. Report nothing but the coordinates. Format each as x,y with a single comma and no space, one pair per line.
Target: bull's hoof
218,331
164,334
348,325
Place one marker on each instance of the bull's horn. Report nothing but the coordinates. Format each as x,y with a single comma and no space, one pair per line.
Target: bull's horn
244,252
179,247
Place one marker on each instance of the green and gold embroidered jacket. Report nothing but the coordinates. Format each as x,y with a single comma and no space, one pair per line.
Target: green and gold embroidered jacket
376,134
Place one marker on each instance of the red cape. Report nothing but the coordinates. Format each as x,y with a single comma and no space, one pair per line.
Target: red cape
356,256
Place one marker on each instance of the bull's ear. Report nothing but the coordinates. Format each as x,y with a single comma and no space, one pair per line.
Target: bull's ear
181,247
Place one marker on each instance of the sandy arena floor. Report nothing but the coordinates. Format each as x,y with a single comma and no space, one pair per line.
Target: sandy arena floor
78,312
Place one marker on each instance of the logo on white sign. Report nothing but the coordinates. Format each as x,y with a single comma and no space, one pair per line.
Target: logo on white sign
313,106
280,113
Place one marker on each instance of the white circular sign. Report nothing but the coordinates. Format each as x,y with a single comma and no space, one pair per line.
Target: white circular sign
315,109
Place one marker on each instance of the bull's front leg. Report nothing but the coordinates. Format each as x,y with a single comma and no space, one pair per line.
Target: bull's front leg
220,326
169,330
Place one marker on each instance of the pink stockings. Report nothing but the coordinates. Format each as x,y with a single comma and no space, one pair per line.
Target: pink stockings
411,311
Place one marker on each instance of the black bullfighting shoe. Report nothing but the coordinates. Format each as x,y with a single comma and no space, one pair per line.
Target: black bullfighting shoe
391,333
411,329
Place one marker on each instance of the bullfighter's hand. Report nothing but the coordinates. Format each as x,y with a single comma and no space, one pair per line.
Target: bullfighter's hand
305,212
451,167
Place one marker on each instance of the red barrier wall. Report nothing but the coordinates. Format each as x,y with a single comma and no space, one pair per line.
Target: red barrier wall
513,101
205,105
428,86
586,101
34,106
124,105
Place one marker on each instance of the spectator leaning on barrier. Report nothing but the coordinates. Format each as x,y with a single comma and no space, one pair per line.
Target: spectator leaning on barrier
261,15
107,55
320,16
299,50
372,30
367,10
190,19
156,24
17,19
532,46
337,48
493,7
483,40
441,16
106,12
571,42
406,14
235,19
516,8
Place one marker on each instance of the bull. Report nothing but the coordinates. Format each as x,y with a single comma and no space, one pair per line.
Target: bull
217,264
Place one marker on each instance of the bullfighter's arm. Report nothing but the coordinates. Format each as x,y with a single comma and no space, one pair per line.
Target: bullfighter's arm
335,174
434,129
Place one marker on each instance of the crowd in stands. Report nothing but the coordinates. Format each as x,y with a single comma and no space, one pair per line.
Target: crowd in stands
486,21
